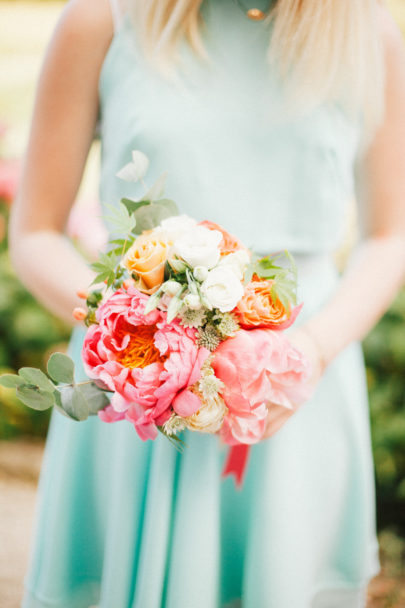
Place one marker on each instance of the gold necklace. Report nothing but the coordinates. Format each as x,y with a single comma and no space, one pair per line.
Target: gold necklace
255,14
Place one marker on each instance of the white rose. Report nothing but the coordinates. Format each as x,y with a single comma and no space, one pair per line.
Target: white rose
198,246
222,288
175,226
236,261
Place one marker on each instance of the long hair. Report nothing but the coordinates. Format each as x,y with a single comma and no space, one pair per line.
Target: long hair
324,49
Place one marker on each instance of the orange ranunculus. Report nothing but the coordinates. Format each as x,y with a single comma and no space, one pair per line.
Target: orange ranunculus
146,260
257,309
229,243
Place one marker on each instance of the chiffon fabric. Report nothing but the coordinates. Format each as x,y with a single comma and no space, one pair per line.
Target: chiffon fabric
122,523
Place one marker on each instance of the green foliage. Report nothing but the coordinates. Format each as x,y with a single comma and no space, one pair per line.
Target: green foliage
285,277
120,219
150,215
61,368
384,350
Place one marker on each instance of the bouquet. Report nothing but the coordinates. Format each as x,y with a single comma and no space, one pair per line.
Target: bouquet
185,330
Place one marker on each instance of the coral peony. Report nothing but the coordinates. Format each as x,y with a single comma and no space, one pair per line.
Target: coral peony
257,309
257,367
146,362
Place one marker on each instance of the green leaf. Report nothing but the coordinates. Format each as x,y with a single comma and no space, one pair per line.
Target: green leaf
119,218
169,205
34,397
11,380
150,216
133,205
105,267
157,188
74,403
61,368
95,397
31,375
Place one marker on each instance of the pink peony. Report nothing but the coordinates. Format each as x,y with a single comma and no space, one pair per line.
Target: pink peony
146,362
258,367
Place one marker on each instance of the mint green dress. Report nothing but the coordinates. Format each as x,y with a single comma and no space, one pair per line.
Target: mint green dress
125,524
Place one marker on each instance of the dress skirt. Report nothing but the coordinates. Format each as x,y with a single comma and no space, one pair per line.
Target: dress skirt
122,523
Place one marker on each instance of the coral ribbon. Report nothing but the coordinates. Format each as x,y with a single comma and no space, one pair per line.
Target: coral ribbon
236,462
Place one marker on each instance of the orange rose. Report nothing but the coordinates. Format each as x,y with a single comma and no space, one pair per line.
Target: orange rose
146,260
257,309
229,243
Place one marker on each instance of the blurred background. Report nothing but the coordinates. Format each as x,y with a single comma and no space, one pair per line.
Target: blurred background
28,333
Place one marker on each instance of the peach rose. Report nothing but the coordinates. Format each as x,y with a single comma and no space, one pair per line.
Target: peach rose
229,243
146,260
257,309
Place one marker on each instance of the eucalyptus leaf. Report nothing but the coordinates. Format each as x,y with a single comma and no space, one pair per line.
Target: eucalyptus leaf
11,380
34,397
150,216
61,368
95,397
133,205
74,403
31,375
156,191
136,170
169,205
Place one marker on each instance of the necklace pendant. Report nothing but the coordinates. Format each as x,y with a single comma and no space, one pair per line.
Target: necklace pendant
255,14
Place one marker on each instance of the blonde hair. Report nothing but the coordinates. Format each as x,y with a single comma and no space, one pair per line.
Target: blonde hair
324,49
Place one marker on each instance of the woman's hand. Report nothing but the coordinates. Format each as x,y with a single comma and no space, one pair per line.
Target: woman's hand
304,341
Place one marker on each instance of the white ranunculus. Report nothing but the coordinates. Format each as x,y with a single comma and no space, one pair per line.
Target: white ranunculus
222,288
198,246
175,226
135,170
237,261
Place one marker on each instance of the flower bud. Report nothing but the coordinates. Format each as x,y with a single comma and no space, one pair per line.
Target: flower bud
200,273
177,265
192,301
128,283
82,294
171,287
79,314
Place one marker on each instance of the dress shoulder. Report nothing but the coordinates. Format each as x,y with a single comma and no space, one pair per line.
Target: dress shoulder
118,11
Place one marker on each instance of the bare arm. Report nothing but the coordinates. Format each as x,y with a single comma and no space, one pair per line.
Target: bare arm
376,269
62,127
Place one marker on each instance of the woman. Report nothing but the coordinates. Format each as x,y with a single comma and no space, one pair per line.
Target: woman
266,143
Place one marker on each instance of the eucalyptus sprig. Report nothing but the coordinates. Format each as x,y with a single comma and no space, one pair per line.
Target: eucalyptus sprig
58,388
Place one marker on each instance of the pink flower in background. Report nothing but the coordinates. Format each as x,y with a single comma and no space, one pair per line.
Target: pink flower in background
10,169
258,367
145,361
87,228
9,177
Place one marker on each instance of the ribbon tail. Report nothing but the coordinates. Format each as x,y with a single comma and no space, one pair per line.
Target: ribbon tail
236,462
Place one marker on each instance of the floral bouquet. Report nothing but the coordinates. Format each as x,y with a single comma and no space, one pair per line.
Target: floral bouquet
186,331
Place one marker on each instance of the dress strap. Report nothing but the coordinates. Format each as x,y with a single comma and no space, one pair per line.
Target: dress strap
118,8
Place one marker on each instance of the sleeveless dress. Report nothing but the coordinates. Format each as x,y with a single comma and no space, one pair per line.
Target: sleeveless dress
122,523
